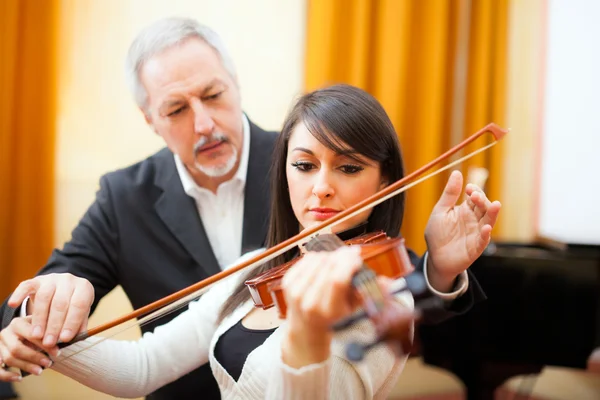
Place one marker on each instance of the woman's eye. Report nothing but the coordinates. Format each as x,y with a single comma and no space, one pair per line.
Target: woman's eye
351,169
303,166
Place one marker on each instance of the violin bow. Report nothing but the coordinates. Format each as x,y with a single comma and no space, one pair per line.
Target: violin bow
179,299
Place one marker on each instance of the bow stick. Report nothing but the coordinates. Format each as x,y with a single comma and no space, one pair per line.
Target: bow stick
179,299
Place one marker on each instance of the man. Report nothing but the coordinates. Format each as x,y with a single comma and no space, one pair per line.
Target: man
175,218
180,215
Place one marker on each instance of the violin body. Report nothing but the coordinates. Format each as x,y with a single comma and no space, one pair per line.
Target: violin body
385,256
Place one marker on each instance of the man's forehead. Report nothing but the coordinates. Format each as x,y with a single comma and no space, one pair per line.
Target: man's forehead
192,63
176,94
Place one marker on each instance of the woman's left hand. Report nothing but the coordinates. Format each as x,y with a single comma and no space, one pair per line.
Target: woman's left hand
318,294
456,235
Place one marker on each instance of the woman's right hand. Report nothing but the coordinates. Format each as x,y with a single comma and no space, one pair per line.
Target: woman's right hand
19,349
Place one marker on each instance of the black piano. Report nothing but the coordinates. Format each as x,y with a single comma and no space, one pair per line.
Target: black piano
543,308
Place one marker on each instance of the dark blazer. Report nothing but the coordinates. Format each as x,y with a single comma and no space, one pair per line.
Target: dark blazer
144,233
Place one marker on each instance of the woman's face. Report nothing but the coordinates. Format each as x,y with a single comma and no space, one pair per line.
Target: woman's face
323,183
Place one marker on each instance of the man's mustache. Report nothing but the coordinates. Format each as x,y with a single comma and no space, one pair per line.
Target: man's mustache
214,137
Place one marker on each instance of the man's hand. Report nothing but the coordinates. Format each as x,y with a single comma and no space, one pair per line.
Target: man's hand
59,305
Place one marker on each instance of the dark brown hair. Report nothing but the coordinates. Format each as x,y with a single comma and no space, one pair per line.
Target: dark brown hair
338,116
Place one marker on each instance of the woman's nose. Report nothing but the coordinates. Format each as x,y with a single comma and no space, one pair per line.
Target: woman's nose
322,188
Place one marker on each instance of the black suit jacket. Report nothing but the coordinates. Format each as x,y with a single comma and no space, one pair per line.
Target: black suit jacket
144,233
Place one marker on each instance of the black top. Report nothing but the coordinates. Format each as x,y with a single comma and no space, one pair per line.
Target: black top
234,346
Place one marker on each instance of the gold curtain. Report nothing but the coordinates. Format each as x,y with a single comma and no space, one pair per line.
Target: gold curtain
27,137
438,68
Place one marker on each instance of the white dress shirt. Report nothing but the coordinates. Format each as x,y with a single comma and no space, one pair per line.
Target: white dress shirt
222,213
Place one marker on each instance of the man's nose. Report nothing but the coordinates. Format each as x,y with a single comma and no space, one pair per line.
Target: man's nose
203,122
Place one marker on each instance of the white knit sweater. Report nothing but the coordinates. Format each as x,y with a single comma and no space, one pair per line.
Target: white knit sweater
134,369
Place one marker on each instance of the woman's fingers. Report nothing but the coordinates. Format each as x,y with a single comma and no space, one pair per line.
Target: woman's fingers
318,286
17,348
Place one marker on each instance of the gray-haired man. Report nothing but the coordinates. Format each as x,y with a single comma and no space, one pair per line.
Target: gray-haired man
172,219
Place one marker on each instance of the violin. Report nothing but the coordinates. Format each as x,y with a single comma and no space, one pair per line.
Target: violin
384,256
387,322
381,256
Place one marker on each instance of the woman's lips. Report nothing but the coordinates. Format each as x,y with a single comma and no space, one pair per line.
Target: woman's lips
322,214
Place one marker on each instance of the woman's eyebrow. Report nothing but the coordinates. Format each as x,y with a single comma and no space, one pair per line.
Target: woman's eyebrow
303,149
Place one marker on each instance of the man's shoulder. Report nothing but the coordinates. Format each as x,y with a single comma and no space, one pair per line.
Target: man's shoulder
262,145
143,173
261,134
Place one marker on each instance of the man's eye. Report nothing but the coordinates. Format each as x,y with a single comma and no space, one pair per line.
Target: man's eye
302,166
177,111
351,169
213,96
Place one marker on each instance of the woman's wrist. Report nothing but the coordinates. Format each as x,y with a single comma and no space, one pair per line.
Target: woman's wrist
443,283
301,347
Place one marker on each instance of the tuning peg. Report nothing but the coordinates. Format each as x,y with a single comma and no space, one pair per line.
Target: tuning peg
355,352
416,283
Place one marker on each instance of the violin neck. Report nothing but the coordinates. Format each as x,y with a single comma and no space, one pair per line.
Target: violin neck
324,242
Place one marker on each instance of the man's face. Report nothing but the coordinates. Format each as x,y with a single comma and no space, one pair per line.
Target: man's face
194,105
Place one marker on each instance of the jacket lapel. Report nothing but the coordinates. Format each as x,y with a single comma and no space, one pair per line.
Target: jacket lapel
178,211
257,197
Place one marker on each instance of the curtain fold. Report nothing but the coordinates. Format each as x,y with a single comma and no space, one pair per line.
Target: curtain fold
28,31
438,68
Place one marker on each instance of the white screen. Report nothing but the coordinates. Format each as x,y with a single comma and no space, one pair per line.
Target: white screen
570,152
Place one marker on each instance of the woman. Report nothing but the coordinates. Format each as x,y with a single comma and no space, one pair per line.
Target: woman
337,147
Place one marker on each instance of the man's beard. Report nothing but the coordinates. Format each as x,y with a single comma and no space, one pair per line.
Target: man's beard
216,171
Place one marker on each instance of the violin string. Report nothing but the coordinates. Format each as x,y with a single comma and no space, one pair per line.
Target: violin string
369,289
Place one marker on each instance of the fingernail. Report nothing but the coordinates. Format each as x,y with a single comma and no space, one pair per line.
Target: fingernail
49,340
46,362
37,331
54,352
37,371
65,334
16,378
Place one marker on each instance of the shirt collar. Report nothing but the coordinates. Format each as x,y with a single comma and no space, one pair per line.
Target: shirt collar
190,186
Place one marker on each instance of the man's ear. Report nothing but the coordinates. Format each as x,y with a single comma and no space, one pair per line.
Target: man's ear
148,119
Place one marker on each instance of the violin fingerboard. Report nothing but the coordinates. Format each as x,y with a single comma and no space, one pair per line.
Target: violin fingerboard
324,242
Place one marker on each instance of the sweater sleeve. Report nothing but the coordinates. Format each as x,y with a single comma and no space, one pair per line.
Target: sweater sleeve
135,368
338,378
